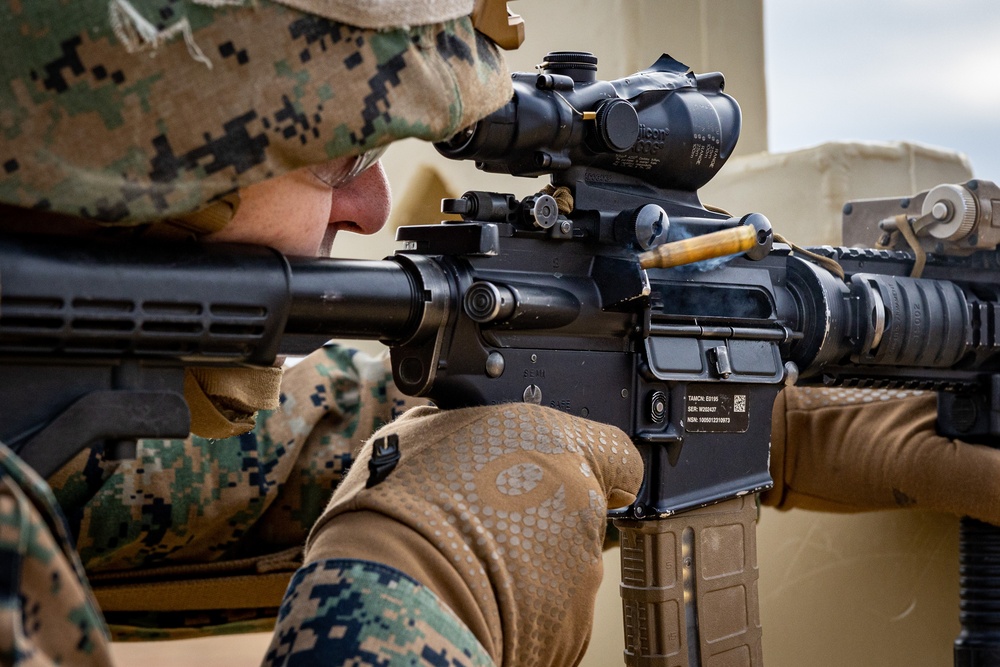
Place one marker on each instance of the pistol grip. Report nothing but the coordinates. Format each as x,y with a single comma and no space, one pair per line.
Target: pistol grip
689,588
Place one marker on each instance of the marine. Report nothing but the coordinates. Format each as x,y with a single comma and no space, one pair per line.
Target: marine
172,120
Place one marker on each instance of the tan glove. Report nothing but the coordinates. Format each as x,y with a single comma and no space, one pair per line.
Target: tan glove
223,401
835,449
500,511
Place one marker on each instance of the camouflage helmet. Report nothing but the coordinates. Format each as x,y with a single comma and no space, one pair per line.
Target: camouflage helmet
128,111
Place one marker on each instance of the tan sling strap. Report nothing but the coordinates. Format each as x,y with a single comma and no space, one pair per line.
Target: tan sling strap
252,583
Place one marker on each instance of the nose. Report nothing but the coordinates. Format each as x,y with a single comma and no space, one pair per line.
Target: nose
362,205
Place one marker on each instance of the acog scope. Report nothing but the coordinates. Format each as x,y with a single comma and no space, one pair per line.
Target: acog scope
664,126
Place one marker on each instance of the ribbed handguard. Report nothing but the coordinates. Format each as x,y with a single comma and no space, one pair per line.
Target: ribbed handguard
689,588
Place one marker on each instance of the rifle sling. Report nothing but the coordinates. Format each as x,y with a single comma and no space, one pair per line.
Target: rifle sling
249,591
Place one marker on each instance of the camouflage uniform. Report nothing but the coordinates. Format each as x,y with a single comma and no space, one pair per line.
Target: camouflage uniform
132,111
338,608
135,112
48,614
184,506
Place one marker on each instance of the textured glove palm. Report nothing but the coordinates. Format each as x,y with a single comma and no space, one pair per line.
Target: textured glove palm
501,512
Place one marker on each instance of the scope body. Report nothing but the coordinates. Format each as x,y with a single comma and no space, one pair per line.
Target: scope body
663,127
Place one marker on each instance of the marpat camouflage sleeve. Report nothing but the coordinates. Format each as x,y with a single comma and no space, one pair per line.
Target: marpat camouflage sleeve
234,507
47,612
374,613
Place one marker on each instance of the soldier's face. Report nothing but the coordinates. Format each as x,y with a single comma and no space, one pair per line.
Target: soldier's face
299,214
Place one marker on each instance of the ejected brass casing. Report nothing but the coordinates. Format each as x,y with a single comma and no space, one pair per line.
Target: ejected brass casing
697,248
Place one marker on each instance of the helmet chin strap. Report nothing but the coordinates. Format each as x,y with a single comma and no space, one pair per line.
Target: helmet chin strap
207,220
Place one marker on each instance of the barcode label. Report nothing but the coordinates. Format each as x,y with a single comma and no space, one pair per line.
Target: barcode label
713,408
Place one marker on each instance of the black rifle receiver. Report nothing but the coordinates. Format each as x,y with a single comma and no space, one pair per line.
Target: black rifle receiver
614,295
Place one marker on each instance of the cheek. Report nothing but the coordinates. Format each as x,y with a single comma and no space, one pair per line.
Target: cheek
288,213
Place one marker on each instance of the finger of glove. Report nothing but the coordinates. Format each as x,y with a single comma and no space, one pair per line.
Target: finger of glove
877,449
839,444
207,417
616,462
776,496
948,476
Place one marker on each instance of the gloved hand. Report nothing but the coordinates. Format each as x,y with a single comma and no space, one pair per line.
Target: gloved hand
498,510
836,449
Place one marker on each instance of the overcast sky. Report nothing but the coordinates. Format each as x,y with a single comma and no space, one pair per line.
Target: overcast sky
919,70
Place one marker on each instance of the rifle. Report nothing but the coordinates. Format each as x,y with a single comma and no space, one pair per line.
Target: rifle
614,295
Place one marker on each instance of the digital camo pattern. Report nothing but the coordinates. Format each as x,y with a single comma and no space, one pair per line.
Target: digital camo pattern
126,111
200,500
47,613
197,501
335,609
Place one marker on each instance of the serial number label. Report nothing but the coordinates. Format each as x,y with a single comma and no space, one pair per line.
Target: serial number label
716,410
